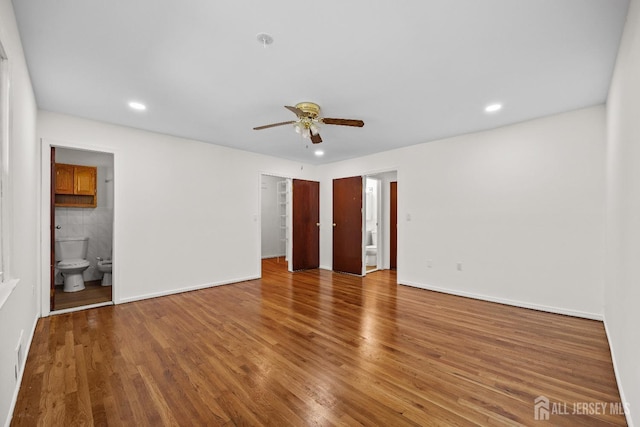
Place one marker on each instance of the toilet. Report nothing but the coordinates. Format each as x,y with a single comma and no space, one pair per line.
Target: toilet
372,249
71,254
104,266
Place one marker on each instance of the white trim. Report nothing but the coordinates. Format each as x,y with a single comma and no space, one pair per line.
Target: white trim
27,347
325,267
80,308
6,289
616,373
521,304
6,189
187,289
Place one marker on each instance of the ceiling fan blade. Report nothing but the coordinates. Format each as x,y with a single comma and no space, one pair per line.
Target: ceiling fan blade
274,125
316,138
343,122
295,110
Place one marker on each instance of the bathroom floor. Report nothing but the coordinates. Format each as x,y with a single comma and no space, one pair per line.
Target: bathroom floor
93,293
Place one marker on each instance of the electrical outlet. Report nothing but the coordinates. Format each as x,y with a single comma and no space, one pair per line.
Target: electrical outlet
459,266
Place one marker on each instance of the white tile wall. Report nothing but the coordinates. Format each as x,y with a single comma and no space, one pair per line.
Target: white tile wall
96,224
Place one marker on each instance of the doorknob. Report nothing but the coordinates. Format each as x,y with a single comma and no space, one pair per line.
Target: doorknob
334,224
318,224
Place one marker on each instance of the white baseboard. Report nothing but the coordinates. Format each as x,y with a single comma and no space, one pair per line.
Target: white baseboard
185,289
616,372
27,347
80,308
325,267
522,304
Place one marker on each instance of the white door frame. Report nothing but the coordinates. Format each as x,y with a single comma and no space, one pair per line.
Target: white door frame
45,231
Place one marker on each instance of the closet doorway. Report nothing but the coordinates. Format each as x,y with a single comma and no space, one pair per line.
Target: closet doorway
290,221
275,218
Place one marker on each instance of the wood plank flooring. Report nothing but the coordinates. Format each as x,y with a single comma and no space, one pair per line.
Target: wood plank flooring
313,348
93,293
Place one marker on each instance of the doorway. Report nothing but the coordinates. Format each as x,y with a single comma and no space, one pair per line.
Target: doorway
373,211
290,221
380,214
81,209
364,240
275,218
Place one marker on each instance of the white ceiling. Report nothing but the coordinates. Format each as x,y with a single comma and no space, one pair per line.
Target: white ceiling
414,71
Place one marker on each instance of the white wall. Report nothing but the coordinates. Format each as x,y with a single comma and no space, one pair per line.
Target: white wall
19,312
186,213
271,211
622,290
521,207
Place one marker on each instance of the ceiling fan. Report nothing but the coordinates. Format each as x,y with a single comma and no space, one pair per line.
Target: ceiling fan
309,120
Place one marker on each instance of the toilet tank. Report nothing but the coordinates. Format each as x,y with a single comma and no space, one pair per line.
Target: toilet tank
71,248
374,237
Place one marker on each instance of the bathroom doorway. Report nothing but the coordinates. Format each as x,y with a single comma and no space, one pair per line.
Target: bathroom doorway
379,234
372,229
81,206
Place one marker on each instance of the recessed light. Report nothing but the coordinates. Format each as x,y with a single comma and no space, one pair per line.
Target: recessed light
319,153
492,108
137,106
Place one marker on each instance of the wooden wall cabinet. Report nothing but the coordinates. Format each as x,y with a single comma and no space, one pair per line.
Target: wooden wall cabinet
75,186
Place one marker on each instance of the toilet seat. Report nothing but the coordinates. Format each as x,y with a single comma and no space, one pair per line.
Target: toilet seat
73,263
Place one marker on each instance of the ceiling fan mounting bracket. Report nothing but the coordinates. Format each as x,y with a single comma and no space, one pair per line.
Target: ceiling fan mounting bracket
311,109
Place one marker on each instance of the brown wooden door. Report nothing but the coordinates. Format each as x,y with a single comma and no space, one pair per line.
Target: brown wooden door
347,225
306,228
393,246
53,172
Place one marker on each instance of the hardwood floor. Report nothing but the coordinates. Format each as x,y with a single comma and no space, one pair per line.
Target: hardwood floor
93,293
313,348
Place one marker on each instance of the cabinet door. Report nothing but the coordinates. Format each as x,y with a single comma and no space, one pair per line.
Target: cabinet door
64,179
85,180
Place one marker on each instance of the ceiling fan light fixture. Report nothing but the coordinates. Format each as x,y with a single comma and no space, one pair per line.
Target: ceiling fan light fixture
309,121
